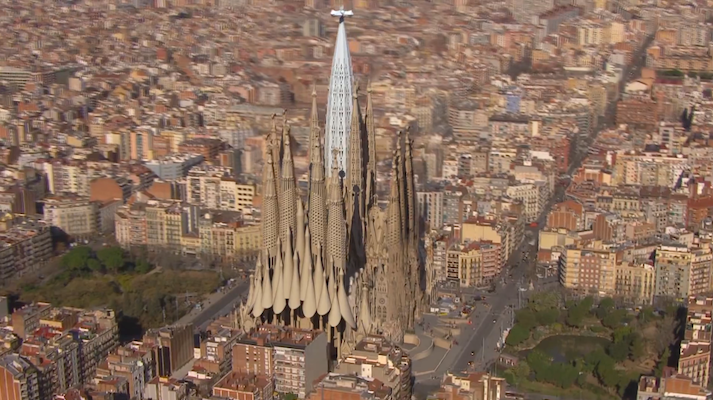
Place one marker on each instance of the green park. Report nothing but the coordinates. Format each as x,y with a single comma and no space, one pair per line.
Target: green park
145,296
578,349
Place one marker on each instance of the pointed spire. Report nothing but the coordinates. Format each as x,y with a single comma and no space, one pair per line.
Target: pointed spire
270,211
335,313
257,308
402,183
336,225
410,190
344,309
274,146
309,307
371,148
339,103
278,282
354,180
315,148
287,269
319,276
251,292
317,199
365,312
294,298
300,231
266,288
306,272
393,228
324,302
288,190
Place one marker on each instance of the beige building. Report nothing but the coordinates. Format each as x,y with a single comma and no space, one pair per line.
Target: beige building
506,231
556,238
215,190
24,246
635,283
673,272
76,216
589,270
184,228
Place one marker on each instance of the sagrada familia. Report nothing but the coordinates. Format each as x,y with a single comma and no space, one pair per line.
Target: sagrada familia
332,259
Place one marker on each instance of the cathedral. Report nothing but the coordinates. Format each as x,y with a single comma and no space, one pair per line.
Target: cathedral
332,258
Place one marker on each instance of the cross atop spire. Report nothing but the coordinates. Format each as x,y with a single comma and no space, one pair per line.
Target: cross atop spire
341,13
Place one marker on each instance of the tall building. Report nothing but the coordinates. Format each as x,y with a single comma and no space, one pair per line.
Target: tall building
339,102
18,379
296,358
345,259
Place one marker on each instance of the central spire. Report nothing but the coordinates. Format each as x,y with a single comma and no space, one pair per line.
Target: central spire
339,101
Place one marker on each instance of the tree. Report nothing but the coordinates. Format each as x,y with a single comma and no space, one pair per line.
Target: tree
575,316
607,373
76,259
663,362
622,333
517,335
613,319
526,319
112,258
142,267
547,317
637,347
619,351
94,265
605,306
543,301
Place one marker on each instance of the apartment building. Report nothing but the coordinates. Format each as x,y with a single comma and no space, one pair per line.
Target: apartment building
217,351
672,264
477,263
295,357
243,386
475,385
634,283
695,351
648,169
174,166
430,208
374,357
132,362
507,230
25,245
339,387
19,379
172,347
670,386
64,345
160,388
76,216
207,147
589,270
182,227
214,188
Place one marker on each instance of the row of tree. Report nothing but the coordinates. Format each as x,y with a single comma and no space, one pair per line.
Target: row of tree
82,260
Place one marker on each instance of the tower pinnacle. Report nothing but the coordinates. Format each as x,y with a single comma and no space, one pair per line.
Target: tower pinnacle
339,101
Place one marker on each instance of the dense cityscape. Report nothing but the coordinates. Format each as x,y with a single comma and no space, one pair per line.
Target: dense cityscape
364,200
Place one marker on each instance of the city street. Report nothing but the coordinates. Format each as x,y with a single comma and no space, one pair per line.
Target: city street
216,305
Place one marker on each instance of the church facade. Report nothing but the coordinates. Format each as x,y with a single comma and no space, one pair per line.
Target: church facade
332,258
